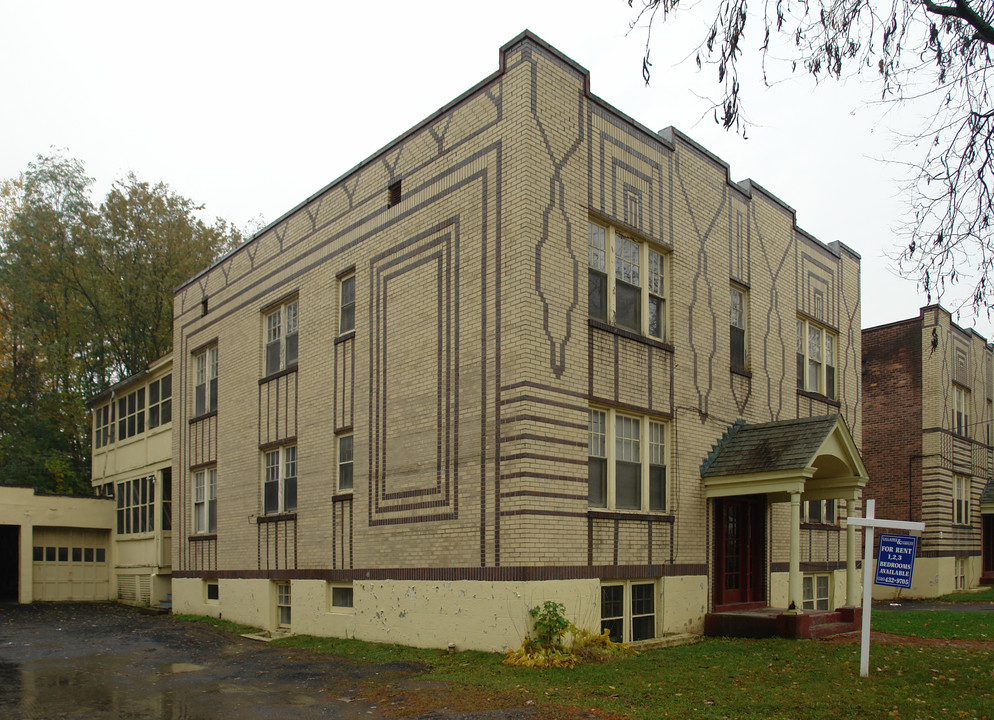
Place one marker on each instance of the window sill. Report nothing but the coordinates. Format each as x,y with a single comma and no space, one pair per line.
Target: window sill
621,332
201,418
277,375
604,514
345,337
132,537
818,396
343,497
202,537
280,517
742,372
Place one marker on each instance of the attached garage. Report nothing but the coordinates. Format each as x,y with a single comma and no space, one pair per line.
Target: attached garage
70,564
55,547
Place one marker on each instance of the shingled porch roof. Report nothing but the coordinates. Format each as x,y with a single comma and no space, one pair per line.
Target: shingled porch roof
815,456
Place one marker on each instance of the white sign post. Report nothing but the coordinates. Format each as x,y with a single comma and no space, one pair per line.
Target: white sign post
869,522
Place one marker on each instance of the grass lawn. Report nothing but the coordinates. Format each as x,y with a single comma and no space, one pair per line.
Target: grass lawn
717,678
985,595
935,623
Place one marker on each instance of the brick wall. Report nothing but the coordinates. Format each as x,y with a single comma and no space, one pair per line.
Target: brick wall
892,412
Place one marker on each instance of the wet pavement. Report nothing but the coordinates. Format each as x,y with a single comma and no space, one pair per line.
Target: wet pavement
107,661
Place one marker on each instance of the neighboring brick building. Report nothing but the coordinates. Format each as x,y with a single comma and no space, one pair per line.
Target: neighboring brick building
928,388
409,410
132,462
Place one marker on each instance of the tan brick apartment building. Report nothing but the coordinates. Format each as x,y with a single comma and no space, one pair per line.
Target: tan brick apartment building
928,387
488,366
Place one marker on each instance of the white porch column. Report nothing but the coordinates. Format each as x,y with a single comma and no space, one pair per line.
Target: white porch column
852,579
794,599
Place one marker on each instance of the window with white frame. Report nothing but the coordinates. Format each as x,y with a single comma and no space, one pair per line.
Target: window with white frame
205,501
346,304
961,411
625,282
961,500
345,462
131,414
737,328
816,359
821,512
280,484
160,401
960,570
103,425
628,610
816,592
281,337
620,474
283,604
205,389
136,506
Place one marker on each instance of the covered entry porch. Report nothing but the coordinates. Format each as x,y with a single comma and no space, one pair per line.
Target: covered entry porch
752,470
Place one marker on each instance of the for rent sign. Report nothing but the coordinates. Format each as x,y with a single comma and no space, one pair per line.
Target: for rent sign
896,560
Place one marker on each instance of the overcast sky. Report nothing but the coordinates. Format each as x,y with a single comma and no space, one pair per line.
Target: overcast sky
243,106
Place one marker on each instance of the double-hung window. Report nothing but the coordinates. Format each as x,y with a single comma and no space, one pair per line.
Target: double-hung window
205,501
131,414
346,304
737,328
961,500
345,463
816,359
281,337
103,425
626,463
280,484
160,401
625,282
816,592
205,391
961,411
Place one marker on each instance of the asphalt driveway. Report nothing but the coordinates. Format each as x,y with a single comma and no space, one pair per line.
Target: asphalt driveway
84,660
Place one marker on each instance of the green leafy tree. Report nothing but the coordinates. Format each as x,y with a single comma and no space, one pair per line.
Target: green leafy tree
937,50
85,299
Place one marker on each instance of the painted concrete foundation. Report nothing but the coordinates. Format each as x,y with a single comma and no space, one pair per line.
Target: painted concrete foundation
471,615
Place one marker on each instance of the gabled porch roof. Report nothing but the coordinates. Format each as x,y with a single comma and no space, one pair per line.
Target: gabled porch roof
814,456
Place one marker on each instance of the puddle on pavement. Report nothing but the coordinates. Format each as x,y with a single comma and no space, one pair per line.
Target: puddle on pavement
124,686
180,668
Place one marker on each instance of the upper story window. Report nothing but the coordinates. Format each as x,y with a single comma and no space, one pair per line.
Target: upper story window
205,390
280,484
131,414
626,282
737,328
160,401
346,304
205,501
103,425
961,411
961,500
621,474
281,338
345,462
816,360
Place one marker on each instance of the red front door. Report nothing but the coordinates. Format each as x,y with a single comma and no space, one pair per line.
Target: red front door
740,542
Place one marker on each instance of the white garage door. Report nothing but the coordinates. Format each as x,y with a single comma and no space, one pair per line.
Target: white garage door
71,564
